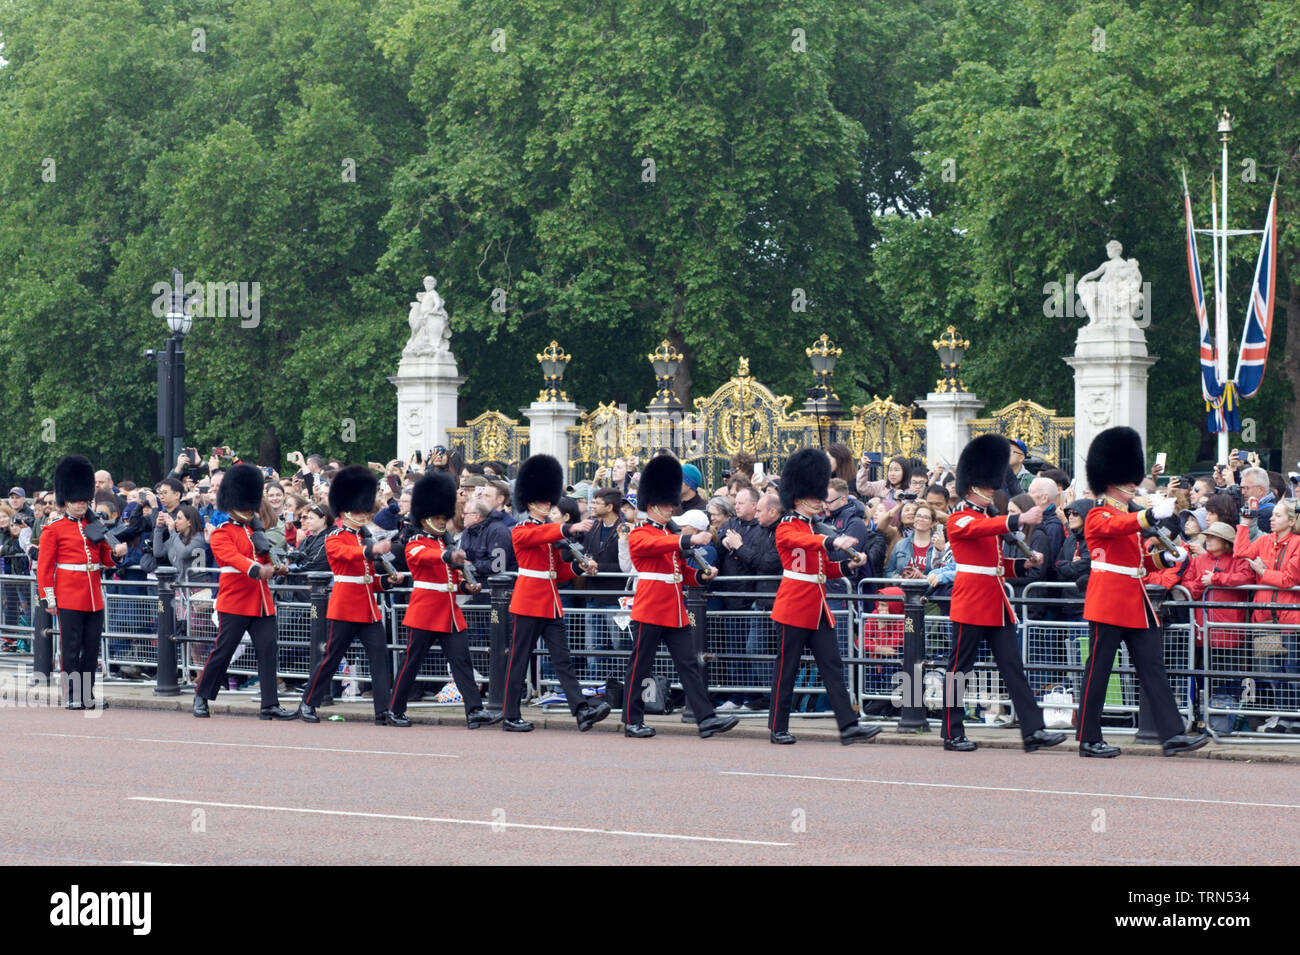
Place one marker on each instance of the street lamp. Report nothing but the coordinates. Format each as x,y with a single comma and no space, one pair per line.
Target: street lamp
951,349
171,374
665,362
821,398
553,361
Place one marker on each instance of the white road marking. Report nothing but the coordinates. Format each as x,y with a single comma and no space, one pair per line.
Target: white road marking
460,822
207,742
1010,789
139,862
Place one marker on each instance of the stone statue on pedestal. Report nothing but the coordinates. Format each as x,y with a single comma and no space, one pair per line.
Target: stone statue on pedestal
430,324
1112,293
427,380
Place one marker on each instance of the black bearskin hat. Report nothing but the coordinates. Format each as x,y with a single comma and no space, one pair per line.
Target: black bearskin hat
241,489
983,463
806,474
540,478
434,495
1115,457
353,490
661,483
74,480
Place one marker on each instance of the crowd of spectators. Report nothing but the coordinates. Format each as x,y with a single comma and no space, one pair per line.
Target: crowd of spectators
1236,526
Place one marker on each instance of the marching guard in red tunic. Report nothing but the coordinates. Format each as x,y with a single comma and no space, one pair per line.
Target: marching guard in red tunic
800,611
433,612
244,601
535,609
659,606
72,552
353,612
979,609
1116,605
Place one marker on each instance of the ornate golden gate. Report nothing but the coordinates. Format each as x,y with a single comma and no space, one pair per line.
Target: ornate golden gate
490,437
1046,434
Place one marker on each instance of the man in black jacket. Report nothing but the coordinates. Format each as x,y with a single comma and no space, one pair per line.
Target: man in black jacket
601,542
487,544
749,549
1049,536
1073,565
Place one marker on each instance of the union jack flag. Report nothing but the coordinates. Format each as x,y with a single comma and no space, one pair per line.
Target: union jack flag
1259,315
1212,389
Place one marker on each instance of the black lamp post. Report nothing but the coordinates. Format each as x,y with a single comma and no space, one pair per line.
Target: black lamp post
171,375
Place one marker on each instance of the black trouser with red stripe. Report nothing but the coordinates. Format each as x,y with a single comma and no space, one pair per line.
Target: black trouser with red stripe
79,634
966,640
1147,651
455,647
524,631
338,637
265,636
826,651
647,637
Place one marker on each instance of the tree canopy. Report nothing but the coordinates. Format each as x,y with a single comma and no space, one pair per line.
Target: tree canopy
737,177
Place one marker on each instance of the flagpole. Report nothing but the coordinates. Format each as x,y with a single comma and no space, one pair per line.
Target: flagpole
1221,298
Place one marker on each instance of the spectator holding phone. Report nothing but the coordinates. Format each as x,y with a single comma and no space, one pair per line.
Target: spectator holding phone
1260,499
898,477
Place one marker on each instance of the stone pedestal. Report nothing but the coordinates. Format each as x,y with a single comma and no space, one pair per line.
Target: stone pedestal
546,423
1110,384
947,424
427,386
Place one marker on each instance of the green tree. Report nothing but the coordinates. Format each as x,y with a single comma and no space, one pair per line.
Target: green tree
1068,125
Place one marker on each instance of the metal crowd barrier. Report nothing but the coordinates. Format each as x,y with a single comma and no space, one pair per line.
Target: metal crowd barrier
1239,677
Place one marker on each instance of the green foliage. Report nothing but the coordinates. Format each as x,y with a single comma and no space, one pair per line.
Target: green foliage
623,171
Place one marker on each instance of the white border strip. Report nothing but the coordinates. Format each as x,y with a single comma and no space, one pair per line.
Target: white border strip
460,822
1009,789
207,742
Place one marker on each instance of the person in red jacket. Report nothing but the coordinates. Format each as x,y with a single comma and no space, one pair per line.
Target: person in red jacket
353,612
1274,561
800,609
980,610
1218,568
433,611
658,548
72,552
535,609
244,601
1116,606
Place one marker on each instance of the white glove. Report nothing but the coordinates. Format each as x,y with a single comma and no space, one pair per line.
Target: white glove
49,603
1163,508
1177,557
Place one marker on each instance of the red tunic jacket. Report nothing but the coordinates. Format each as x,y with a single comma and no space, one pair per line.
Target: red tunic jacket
656,550
238,592
434,587
539,596
355,579
975,537
802,603
1225,571
1116,597
1283,571
63,544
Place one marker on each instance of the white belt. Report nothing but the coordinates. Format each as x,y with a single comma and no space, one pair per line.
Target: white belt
85,568
806,578
367,579
1138,572
539,574
663,578
430,585
998,571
